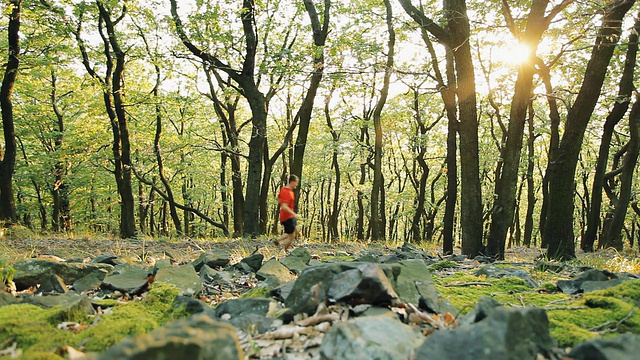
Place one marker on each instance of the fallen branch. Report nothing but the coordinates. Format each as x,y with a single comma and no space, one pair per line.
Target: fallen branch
468,284
565,308
314,320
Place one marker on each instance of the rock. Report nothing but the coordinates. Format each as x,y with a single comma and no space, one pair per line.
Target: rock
574,285
389,259
198,337
374,337
589,286
251,323
131,280
7,299
314,281
207,274
212,258
185,305
106,259
163,263
549,266
274,273
369,256
366,284
69,303
86,283
254,261
51,284
622,347
297,260
484,259
492,332
282,292
244,268
237,307
492,271
184,277
28,272
415,285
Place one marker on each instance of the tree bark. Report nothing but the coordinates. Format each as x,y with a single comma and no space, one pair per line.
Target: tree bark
619,109
558,229
8,163
61,217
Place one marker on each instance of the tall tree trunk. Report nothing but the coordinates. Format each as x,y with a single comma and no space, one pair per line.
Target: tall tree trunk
8,163
61,217
612,234
334,234
558,229
531,191
378,182
619,109
320,33
471,193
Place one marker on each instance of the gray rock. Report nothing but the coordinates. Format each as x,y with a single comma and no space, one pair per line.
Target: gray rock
184,277
492,271
28,272
7,299
274,272
51,284
207,274
589,286
293,263
574,285
130,280
492,332
86,283
237,307
69,304
212,258
623,347
198,337
301,253
252,323
163,263
106,259
254,261
242,267
374,337
550,266
185,305
282,292
415,285
366,284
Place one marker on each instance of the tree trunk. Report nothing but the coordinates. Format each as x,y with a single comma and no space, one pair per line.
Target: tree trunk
531,191
620,108
334,234
558,229
612,234
471,193
8,163
61,217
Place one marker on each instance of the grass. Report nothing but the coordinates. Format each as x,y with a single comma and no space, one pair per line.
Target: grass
612,260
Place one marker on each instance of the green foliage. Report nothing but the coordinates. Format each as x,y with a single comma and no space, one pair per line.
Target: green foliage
257,292
6,271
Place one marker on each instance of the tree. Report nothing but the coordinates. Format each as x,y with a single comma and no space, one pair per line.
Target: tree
558,228
8,162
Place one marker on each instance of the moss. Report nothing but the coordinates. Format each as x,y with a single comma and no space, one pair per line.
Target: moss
29,326
444,264
159,299
628,290
106,303
39,355
508,290
549,287
568,334
257,292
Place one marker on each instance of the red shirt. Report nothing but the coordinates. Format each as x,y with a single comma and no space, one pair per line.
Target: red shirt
288,197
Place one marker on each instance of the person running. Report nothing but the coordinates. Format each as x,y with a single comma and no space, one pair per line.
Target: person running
287,200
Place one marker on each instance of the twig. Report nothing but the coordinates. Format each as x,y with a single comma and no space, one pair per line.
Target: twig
314,320
468,284
565,308
617,323
558,301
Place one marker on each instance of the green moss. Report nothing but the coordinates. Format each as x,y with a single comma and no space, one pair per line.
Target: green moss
444,264
257,292
159,299
106,303
549,287
628,290
29,326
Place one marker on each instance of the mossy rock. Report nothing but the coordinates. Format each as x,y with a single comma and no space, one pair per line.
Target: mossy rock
30,327
444,264
257,292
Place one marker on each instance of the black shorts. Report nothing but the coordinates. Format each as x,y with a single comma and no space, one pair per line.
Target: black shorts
289,225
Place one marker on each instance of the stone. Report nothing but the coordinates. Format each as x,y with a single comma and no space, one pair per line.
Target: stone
184,277
186,305
282,292
68,303
237,307
297,260
131,280
7,299
198,337
622,347
106,259
163,263
251,323
212,258
207,274
366,284
574,285
549,266
371,337
254,261
492,332
492,271
86,283
30,271
415,285
589,286
274,272
51,284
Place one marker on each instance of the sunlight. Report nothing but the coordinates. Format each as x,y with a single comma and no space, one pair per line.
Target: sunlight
511,54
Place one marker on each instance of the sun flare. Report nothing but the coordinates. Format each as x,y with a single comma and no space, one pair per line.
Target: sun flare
512,54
